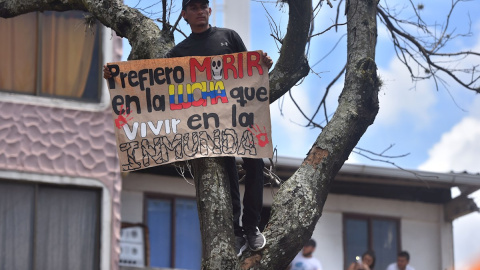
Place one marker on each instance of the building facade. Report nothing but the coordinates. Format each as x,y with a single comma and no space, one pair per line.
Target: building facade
59,174
369,208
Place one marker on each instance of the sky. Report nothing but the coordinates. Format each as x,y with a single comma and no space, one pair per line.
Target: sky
437,128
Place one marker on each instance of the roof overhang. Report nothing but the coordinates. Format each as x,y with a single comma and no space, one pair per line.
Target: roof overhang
383,182
399,184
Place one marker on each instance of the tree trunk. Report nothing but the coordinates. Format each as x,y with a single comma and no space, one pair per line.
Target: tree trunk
214,205
299,203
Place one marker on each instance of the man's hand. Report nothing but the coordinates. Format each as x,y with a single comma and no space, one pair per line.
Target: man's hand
106,72
267,60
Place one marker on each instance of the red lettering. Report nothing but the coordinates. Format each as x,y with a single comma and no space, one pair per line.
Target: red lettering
174,106
214,100
194,64
240,65
228,63
251,62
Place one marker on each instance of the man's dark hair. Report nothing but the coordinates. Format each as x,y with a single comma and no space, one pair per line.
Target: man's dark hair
404,254
310,243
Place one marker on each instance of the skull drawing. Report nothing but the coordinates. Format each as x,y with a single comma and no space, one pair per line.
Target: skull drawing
217,68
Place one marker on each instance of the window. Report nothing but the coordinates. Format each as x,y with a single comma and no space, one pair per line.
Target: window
174,233
48,227
50,54
380,234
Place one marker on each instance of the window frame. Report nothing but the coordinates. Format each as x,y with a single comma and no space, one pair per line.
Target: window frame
172,198
105,203
39,61
35,219
369,219
102,101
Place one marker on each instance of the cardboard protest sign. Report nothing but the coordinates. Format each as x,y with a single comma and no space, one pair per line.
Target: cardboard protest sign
168,110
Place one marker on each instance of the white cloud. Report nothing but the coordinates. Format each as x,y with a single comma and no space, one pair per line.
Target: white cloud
291,138
458,149
400,100
353,159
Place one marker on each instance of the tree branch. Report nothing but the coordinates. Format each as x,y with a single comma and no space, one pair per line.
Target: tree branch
292,64
416,50
145,37
299,202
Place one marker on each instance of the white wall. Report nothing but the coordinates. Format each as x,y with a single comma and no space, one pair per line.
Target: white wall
329,237
424,234
132,206
136,184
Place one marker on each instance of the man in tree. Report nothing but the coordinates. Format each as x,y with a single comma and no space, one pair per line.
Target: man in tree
206,40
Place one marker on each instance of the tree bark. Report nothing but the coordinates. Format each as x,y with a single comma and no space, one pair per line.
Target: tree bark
299,203
292,65
214,205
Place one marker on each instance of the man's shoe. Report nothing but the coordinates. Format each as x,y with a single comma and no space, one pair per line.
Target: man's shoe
240,245
256,240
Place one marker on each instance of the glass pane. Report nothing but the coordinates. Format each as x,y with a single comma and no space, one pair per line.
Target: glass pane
92,90
159,218
385,242
67,229
18,51
16,223
67,47
356,239
188,241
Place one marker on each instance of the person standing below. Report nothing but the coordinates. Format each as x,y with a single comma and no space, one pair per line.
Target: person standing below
206,40
367,262
305,260
403,258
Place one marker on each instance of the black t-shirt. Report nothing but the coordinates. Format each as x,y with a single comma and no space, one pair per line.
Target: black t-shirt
214,41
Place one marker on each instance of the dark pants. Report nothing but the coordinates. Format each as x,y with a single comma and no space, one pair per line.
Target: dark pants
253,197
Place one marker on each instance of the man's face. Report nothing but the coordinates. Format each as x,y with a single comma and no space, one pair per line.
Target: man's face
197,13
308,250
402,263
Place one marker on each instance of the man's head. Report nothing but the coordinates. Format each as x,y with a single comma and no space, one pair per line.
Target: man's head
308,248
186,2
402,260
196,13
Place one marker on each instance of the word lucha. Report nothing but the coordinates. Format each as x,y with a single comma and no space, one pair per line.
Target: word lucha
215,91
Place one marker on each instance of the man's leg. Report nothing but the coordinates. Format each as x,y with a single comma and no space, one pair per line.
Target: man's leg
231,168
253,201
240,241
